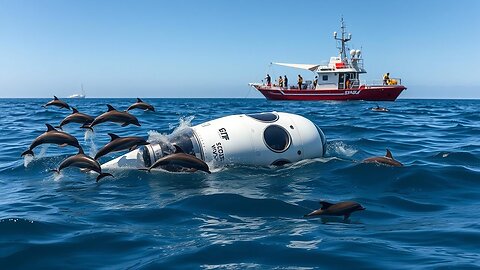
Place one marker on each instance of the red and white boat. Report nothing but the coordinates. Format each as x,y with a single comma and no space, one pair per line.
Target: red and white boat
337,80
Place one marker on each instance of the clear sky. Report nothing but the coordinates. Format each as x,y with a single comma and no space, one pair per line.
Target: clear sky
215,48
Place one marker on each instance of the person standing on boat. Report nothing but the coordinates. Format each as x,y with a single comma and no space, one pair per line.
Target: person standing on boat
386,79
280,81
300,82
315,81
285,81
268,79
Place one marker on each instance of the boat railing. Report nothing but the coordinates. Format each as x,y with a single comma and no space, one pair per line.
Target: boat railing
357,63
391,81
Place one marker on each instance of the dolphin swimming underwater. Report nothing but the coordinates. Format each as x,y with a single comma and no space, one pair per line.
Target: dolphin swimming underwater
386,160
76,117
120,143
338,209
112,115
180,162
140,104
82,161
58,103
52,136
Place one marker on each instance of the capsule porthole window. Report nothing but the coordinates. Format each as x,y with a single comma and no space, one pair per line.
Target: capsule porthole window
264,117
276,138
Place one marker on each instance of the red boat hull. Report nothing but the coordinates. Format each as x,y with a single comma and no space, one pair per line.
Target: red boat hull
373,93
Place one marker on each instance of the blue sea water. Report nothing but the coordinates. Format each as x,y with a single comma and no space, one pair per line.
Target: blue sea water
424,215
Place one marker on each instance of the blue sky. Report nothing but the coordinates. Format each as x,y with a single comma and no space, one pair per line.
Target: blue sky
215,48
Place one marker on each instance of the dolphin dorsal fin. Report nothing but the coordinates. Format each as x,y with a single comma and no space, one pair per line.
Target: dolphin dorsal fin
325,205
110,108
50,127
139,100
389,154
55,97
74,110
113,136
80,150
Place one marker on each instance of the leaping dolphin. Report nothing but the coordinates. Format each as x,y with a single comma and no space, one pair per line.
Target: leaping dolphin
180,162
76,117
386,160
118,144
82,161
140,104
338,209
112,115
57,102
53,136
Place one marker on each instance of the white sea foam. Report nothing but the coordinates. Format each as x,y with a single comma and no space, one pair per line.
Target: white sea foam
184,122
157,137
339,148
27,159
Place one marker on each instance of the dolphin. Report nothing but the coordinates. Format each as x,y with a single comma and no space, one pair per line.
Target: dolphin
53,136
379,109
338,209
140,104
118,144
180,162
386,160
82,161
57,102
76,117
112,115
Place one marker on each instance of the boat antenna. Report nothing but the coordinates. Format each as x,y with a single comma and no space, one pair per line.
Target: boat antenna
344,39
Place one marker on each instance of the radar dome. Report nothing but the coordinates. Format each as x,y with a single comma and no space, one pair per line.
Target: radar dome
358,52
352,53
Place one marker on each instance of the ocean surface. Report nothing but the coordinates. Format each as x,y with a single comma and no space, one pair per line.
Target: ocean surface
424,215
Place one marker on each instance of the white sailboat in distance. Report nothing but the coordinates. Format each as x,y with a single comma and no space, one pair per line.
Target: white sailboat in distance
82,95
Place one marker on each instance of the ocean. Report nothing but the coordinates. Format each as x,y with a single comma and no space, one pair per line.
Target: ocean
424,215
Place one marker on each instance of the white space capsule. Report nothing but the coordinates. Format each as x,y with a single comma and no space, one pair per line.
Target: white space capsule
261,139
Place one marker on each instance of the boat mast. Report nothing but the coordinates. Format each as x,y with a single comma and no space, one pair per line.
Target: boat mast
344,40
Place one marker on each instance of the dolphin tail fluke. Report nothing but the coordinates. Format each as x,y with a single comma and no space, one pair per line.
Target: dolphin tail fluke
28,152
87,126
102,175
313,213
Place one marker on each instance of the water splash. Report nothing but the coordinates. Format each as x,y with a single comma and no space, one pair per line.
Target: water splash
43,151
27,159
340,149
156,137
89,139
57,176
184,122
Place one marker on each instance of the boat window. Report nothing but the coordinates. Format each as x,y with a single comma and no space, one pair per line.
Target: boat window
276,138
325,77
264,117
